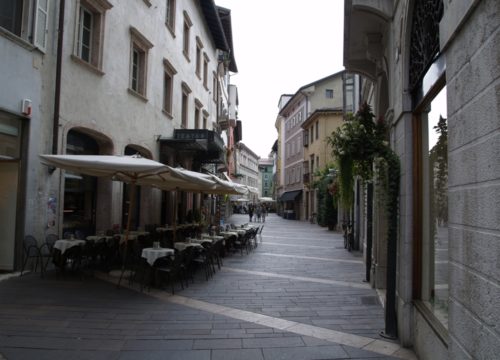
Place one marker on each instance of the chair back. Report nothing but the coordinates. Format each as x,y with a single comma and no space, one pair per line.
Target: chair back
50,240
30,246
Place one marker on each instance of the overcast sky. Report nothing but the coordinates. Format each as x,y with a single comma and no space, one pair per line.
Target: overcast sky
280,45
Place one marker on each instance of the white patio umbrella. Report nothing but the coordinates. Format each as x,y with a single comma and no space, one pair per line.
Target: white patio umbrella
134,170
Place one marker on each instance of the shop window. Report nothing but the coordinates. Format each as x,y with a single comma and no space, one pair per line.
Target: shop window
434,207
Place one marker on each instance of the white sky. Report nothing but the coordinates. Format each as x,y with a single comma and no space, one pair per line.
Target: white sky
279,46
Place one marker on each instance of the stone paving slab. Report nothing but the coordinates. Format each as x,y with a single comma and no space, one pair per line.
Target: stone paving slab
243,314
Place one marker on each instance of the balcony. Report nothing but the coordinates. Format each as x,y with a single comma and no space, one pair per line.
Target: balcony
206,145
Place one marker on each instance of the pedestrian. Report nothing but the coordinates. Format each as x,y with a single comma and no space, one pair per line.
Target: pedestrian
258,212
264,213
250,212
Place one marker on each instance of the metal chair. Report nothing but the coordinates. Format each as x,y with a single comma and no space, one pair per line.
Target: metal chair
47,249
31,251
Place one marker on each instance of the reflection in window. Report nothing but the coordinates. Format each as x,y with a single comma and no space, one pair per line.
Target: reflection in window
435,208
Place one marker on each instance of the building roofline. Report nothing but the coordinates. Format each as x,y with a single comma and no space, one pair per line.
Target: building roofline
299,91
319,112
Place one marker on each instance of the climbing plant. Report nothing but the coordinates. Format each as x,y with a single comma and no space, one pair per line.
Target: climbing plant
359,145
326,187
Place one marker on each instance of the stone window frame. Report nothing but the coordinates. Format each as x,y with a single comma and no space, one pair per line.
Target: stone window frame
170,15
140,46
29,28
198,106
186,35
168,87
97,10
186,91
206,60
199,51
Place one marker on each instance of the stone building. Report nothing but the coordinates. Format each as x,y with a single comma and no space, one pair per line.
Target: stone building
266,177
108,77
432,67
247,169
310,101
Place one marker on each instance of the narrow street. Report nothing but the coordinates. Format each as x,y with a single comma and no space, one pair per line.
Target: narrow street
298,295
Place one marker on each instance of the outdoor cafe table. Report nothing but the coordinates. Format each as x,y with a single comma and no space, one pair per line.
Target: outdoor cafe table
151,254
183,245
64,244
96,238
212,237
227,234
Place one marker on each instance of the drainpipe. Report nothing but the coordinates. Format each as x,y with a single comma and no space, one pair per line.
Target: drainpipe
57,92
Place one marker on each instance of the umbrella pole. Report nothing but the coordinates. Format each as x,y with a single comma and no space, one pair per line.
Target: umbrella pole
131,204
175,216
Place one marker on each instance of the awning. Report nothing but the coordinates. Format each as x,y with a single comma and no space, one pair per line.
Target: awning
290,195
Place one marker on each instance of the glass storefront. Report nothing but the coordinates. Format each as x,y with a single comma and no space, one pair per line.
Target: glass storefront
434,287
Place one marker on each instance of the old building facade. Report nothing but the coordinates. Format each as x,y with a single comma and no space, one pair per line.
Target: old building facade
303,128
103,79
432,67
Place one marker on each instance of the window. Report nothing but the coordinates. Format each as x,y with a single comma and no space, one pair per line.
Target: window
214,86
41,23
434,207
317,130
197,114
199,46
186,35
170,15
17,17
205,70
168,86
11,16
90,32
205,119
185,107
139,49
329,93
311,137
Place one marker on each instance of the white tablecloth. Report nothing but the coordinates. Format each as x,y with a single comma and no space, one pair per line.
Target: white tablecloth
227,234
182,245
64,244
98,238
151,254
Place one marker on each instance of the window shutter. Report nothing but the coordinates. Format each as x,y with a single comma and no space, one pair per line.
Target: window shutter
41,24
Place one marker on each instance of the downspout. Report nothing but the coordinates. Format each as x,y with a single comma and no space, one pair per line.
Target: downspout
57,92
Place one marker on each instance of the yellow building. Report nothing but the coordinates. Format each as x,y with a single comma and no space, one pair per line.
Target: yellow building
317,153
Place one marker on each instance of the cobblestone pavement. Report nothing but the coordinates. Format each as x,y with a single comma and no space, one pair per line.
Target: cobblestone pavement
298,295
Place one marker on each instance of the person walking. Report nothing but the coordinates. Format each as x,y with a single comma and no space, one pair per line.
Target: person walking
264,212
258,212
250,212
